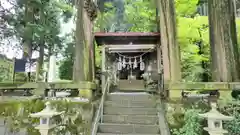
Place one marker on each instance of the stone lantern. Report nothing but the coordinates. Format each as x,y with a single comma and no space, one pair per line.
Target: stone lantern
46,119
215,119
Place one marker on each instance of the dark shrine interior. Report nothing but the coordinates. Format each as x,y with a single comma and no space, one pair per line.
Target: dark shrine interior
125,72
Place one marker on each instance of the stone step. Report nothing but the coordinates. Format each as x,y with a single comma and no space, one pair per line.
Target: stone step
123,134
130,96
129,111
131,119
128,128
129,103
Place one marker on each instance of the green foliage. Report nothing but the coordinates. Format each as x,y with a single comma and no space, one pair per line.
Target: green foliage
37,21
143,21
192,124
66,65
104,20
17,113
233,126
76,117
66,69
238,29
4,75
141,15
186,8
194,44
183,118
175,116
193,38
6,69
231,108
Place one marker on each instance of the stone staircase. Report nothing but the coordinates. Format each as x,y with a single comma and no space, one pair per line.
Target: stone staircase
129,114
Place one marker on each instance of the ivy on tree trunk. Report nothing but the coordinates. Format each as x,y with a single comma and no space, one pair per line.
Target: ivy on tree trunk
223,41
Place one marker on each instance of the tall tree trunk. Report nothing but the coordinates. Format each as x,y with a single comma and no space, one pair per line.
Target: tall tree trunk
40,61
41,48
223,40
170,48
27,36
83,51
93,56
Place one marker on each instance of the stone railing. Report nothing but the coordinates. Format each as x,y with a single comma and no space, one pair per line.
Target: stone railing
212,88
99,114
39,88
202,85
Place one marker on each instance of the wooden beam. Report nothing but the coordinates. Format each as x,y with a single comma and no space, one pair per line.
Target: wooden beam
103,77
131,48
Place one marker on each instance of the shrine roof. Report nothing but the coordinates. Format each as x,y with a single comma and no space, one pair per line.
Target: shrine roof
116,38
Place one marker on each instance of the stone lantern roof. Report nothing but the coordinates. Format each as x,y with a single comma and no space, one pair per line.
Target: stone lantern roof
47,112
214,114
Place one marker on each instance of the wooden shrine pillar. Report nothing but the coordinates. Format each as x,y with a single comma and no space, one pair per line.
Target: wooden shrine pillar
103,67
84,50
223,41
170,48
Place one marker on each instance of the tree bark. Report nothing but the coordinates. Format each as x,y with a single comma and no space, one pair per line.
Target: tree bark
40,61
223,41
84,49
170,48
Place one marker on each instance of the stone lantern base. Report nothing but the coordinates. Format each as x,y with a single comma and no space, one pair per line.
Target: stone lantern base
44,132
215,131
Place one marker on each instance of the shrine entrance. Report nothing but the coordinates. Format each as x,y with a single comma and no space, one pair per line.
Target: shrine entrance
130,65
131,57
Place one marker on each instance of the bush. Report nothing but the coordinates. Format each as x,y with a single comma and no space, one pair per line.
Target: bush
192,125
231,108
